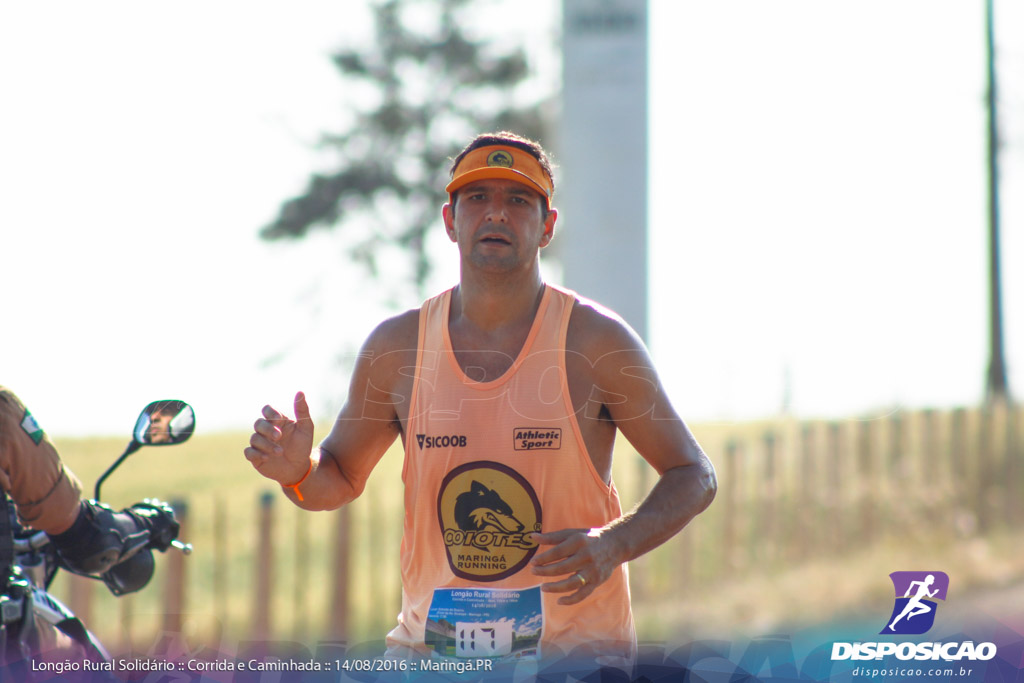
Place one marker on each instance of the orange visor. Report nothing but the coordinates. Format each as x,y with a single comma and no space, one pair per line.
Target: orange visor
507,163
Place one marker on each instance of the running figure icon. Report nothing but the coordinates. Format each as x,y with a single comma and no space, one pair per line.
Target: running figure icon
917,594
915,606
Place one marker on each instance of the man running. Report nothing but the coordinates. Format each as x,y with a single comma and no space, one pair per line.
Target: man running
507,394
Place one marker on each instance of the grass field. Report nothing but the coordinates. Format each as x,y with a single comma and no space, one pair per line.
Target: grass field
686,590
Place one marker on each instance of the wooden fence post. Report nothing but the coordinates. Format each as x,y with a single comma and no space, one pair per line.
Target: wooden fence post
928,473
301,584
867,485
221,557
80,597
730,536
999,493
983,481
809,495
375,526
174,595
767,536
895,475
642,570
1014,454
687,543
126,614
339,622
836,455
958,458
263,598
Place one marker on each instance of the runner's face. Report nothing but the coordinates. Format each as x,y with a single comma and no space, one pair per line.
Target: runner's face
498,224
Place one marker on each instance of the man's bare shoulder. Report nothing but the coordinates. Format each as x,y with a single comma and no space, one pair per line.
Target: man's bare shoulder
394,336
596,330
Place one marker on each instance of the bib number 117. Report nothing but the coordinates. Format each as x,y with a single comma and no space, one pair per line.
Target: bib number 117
481,639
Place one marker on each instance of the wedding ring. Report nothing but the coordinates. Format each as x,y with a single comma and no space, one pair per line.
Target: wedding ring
583,581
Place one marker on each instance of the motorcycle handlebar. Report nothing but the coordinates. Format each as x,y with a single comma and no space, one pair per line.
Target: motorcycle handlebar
159,531
29,543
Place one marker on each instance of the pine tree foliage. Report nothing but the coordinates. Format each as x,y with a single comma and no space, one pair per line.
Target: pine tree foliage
434,86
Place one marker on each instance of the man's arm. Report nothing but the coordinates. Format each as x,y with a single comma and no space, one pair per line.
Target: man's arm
630,393
335,472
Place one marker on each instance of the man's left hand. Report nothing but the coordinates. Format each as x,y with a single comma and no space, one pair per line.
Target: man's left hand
585,555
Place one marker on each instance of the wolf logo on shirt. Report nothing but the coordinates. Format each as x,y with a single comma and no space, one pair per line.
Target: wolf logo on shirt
486,511
480,508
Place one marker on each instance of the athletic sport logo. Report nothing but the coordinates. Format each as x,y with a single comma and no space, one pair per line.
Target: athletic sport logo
486,511
526,439
916,593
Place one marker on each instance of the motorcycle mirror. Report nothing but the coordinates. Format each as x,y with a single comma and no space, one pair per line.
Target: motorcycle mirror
164,423
161,423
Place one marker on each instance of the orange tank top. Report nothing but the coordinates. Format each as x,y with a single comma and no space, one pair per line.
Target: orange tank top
486,463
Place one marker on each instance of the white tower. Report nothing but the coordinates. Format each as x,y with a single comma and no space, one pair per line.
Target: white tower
601,180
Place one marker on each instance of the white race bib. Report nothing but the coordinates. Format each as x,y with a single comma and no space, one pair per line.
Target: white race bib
485,623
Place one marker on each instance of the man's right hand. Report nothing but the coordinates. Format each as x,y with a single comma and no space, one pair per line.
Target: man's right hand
280,447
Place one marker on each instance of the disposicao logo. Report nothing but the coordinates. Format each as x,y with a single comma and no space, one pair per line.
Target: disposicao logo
915,607
913,613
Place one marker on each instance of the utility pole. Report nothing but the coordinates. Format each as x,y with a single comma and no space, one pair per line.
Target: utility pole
996,387
603,153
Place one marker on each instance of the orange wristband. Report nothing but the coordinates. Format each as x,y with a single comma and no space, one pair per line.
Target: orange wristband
296,485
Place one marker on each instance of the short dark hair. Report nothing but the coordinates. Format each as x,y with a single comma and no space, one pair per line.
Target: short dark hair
171,408
511,139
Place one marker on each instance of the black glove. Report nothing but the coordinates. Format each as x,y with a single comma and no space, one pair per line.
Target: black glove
131,575
159,518
101,538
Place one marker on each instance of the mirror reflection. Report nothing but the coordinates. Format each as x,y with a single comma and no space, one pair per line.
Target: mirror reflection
165,422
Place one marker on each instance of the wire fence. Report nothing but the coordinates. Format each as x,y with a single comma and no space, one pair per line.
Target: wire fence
790,491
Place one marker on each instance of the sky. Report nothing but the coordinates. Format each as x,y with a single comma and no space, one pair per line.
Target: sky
817,205
825,194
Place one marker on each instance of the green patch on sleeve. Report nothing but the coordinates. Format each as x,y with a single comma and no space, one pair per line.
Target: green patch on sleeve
32,428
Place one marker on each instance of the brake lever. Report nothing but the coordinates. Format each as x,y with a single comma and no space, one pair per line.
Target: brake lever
185,548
